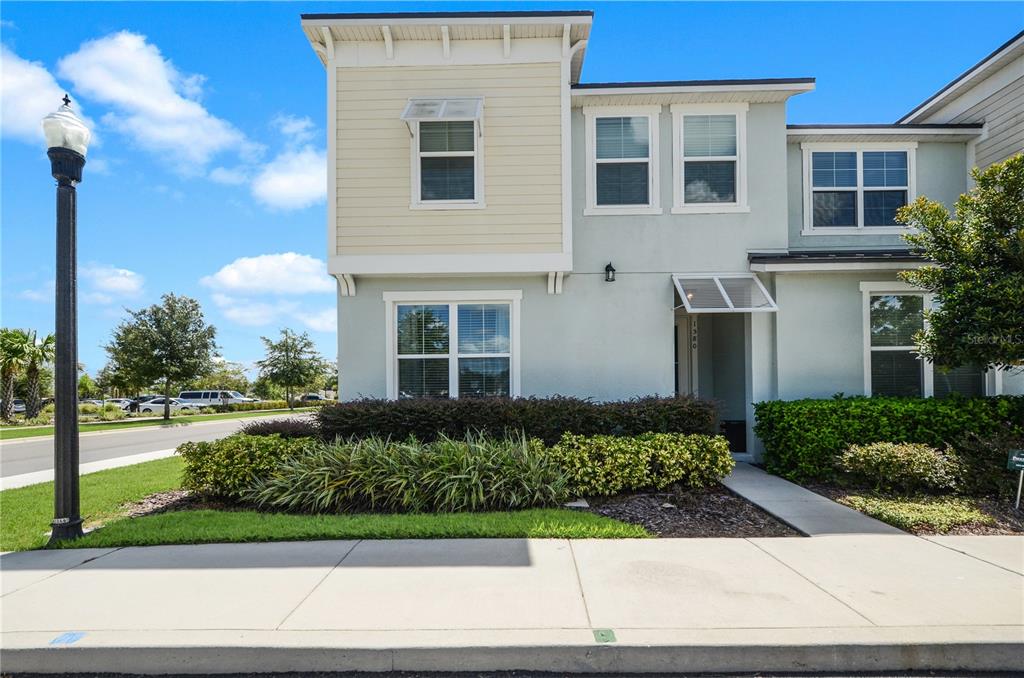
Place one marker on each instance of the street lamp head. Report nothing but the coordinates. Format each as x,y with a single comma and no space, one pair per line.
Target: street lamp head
64,129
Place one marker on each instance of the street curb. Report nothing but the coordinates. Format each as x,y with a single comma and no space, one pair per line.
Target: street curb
609,658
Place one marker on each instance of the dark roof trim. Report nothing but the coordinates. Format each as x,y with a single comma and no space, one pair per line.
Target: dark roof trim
444,15
693,83
909,126
823,256
963,75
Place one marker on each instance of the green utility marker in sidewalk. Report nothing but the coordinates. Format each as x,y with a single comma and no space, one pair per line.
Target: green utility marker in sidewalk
604,635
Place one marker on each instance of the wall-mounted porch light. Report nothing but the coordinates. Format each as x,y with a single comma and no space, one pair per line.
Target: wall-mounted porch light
609,273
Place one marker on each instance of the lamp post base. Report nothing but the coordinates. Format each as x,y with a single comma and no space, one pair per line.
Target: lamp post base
64,531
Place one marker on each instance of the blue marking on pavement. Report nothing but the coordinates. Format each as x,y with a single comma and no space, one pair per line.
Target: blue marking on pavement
67,638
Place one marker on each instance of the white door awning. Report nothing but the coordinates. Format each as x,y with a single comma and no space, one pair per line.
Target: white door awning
722,293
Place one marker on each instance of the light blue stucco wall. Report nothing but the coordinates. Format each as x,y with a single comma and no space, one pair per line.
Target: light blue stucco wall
601,340
941,175
681,243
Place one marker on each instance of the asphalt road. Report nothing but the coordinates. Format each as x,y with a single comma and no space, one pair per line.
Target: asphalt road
26,455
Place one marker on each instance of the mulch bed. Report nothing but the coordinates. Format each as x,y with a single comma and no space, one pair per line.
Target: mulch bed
1008,520
685,512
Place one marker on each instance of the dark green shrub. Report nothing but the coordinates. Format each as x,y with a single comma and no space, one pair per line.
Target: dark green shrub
227,467
446,475
983,458
606,465
543,418
905,467
803,438
286,428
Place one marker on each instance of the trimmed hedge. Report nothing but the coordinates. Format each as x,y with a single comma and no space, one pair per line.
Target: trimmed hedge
229,466
543,418
249,407
606,465
803,438
983,459
286,428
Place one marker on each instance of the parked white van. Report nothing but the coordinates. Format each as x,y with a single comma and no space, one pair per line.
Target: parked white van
213,397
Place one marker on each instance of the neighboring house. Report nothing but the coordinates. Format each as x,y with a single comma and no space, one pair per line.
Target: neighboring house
498,228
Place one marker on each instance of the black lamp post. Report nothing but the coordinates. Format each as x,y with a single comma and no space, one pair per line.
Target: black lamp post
68,140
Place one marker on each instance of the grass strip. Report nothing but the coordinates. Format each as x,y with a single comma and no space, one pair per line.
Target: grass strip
26,512
920,514
207,526
14,432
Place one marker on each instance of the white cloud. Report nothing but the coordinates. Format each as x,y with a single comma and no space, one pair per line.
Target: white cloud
295,179
235,176
28,92
154,103
321,321
45,293
297,130
106,284
288,273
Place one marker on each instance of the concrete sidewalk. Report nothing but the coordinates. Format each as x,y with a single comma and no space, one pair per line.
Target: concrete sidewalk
801,509
841,603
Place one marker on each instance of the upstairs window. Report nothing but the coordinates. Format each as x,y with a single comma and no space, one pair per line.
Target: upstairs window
856,189
447,153
622,167
709,157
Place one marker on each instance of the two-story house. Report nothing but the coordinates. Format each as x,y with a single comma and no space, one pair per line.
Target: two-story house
498,228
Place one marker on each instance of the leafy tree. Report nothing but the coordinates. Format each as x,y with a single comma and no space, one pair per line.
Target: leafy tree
37,353
87,388
113,378
978,272
292,362
13,344
223,375
45,383
264,389
169,343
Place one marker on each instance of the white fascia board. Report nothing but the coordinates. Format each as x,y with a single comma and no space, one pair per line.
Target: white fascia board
813,267
448,264
884,131
796,88
453,21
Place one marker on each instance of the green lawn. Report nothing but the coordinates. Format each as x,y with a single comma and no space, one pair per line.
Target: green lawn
201,527
26,512
920,514
13,432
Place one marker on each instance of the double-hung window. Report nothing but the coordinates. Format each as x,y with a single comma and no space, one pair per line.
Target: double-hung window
446,153
458,346
622,160
709,157
850,188
894,313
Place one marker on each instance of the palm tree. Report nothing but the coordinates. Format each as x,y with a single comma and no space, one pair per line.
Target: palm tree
12,356
37,354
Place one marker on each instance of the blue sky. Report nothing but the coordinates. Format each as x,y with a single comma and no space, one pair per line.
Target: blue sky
226,204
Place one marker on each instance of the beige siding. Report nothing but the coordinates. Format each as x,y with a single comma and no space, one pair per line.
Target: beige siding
522,161
1003,113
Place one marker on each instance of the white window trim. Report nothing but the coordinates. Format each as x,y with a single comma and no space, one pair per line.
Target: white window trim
393,299
874,289
808,189
478,168
652,113
679,206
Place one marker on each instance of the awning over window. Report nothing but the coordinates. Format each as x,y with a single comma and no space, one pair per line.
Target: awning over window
454,108
723,293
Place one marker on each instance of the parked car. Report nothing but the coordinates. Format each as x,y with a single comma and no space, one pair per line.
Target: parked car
311,398
157,405
123,403
206,398
91,401
19,405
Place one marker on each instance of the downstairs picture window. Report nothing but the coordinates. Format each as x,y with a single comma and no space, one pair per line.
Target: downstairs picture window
450,350
895,368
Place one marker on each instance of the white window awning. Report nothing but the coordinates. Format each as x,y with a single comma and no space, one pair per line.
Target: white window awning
443,108
723,293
